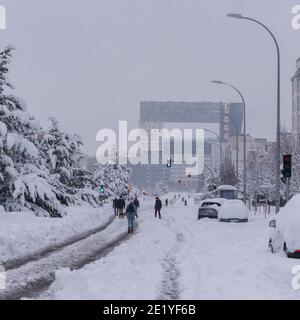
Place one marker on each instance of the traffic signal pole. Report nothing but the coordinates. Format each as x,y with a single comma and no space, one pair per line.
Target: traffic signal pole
287,195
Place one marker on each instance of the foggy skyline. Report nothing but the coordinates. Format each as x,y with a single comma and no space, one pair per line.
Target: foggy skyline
90,65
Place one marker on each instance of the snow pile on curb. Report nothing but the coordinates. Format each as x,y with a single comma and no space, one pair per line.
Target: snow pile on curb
288,222
23,233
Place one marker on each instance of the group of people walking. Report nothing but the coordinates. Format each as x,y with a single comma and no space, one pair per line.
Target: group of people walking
119,206
131,210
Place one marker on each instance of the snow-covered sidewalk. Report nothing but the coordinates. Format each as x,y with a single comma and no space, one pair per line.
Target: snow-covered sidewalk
182,258
22,234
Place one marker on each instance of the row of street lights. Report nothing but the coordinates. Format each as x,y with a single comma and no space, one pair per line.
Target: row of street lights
239,16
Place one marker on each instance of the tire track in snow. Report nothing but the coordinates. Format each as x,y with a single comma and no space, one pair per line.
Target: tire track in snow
35,277
43,253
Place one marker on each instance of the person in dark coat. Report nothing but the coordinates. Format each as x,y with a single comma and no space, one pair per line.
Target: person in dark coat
167,202
121,207
157,207
131,213
136,203
115,206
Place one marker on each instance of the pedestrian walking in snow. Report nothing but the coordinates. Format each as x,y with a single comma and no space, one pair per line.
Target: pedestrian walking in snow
157,207
131,213
136,203
167,202
121,207
115,206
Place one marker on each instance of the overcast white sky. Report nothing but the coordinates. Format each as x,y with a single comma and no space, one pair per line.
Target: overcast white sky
90,63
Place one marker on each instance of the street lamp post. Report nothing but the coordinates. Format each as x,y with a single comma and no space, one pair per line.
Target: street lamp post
220,141
237,144
239,16
245,132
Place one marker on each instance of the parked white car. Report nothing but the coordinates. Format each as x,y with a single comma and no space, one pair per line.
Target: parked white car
285,234
233,211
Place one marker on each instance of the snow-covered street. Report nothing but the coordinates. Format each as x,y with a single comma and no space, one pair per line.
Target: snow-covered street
27,275
179,257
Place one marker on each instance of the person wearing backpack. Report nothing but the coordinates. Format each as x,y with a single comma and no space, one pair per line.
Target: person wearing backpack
131,213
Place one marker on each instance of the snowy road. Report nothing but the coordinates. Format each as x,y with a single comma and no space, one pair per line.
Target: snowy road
37,274
182,258
51,249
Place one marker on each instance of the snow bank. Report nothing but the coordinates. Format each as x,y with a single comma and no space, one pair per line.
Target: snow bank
22,233
288,223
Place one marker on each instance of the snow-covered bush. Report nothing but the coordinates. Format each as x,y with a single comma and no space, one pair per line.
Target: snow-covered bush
115,179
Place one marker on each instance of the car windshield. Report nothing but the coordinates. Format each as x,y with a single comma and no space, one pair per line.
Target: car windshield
209,204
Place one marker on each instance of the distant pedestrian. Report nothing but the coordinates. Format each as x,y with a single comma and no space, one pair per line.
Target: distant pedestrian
167,202
131,213
185,203
158,206
121,207
115,206
136,203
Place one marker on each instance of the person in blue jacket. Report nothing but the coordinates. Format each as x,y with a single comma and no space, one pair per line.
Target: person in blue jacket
131,213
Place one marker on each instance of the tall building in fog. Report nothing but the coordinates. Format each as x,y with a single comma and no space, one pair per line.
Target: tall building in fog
296,106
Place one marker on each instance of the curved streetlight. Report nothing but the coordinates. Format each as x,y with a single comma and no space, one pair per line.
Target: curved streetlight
245,132
240,16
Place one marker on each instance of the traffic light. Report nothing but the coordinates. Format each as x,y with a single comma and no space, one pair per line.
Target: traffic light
169,164
287,166
101,189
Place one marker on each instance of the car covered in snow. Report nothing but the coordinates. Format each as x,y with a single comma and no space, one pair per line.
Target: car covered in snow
233,211
285,234
210,208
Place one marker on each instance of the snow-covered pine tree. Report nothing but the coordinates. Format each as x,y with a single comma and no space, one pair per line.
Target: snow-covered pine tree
211,178
63,156
228,174
114,177
60,150
23,179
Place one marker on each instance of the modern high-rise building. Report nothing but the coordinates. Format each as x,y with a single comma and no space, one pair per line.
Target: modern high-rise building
296,106
154,114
